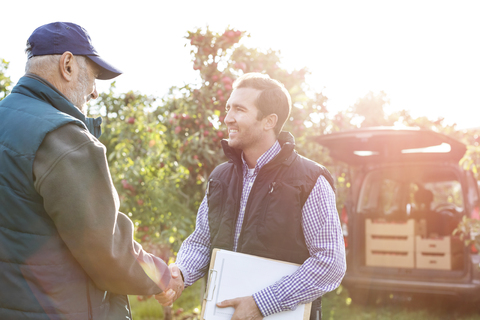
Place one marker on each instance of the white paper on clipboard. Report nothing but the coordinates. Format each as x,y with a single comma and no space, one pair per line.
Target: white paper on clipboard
234,275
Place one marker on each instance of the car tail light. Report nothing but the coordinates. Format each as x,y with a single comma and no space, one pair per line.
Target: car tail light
473,249
344,221
474,215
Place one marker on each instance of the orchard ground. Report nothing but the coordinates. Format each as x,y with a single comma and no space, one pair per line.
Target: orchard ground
336,305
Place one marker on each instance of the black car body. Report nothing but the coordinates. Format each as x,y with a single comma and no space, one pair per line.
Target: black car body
407,195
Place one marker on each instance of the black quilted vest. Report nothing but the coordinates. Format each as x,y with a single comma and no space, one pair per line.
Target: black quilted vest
272,226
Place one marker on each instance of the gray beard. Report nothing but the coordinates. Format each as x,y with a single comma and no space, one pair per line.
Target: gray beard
77,95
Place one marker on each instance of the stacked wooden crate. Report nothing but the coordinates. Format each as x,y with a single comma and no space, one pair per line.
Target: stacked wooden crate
406,245
390,244
443,253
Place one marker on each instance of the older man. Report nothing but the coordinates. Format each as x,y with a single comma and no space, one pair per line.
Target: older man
65,250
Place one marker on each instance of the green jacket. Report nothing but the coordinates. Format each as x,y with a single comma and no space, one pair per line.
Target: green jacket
39,277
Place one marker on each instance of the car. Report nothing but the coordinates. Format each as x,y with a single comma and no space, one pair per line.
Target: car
407,194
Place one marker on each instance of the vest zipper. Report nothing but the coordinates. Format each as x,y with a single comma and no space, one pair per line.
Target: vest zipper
237,211
271,189
208,186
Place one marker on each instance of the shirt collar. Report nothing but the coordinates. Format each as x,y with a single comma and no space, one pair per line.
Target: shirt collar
264,158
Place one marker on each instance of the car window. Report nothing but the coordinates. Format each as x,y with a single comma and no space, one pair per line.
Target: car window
472,195
381,194
446,192
397,192
472,190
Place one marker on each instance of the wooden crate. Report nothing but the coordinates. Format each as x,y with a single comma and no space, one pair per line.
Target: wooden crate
432,260
438,253
390,228
390,259
390,244
446,245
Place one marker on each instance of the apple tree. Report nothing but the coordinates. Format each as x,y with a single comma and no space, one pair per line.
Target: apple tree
194,114
144,171
5,81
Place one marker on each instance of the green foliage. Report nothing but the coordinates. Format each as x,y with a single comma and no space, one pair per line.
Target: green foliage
469,231
187,307
5,81
144,171
196,113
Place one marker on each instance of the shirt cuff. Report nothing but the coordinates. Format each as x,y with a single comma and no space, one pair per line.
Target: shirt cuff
186,276
267,302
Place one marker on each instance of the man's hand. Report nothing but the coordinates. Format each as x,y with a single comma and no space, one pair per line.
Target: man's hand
174,289
245,308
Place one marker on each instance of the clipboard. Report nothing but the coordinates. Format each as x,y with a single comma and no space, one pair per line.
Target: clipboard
232,275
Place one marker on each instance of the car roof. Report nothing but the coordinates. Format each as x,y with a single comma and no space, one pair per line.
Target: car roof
375,145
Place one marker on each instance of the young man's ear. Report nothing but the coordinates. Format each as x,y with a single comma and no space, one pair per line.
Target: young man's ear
67,66
270,121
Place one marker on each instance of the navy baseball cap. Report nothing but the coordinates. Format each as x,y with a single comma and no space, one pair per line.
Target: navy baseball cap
58,37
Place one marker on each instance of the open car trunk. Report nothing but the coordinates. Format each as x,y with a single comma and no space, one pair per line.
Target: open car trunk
408,196
388,144
403,222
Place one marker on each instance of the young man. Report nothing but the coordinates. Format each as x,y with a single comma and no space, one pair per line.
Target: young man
267,201
65,250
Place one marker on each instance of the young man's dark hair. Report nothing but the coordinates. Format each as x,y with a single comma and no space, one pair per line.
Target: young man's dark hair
274,98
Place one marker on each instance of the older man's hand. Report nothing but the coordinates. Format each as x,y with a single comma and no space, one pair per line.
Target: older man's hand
174,289
245,308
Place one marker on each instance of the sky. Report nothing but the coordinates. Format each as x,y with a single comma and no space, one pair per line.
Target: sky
425,55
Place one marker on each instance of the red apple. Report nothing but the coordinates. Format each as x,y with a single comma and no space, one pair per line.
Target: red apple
131,120
179,311
227,80
241,65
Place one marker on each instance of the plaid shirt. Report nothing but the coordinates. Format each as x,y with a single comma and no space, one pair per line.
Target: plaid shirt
320,273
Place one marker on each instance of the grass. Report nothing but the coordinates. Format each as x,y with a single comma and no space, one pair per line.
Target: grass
336,305
187,306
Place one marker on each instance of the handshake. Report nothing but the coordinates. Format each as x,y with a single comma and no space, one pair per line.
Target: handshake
245,307
174,289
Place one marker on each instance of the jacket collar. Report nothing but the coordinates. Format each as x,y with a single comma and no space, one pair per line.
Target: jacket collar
39,88
286,140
